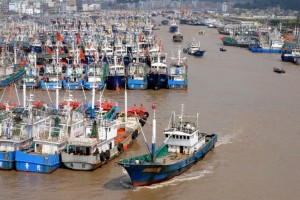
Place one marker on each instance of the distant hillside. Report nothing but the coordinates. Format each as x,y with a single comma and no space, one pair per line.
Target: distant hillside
263,4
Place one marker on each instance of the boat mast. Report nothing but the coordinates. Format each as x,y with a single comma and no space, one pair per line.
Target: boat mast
125,104
153,135
24,93
93,98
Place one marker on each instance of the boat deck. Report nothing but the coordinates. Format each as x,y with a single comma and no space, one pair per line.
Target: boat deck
172,158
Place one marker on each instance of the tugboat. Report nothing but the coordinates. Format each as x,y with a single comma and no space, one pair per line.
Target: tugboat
184,146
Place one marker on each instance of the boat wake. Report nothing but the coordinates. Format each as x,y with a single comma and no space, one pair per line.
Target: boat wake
182,178
227,139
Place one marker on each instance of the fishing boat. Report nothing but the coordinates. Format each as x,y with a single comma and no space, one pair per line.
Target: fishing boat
177,75
158,75
53,75
173,27
31,76
36,46
95,73
177,37
52,136
278,70
10,72
44,157
116,74
103,140
137,76
74,76
17,129
194,49
183,147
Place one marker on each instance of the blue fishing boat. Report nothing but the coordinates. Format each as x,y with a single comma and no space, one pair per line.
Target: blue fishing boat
158,75
45,156
184,146
95,73
177,78
116,75
173,27
194,49
52,77
17,131
74,77
36,46
137,76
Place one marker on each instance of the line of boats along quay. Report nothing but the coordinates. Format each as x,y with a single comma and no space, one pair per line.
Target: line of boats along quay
108,181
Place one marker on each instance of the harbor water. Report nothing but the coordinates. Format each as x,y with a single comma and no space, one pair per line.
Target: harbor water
254,111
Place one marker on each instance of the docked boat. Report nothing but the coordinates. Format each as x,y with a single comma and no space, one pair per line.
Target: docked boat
44,156
194,49
36,46
116,75
93,149
103,140
17,131
177,75
158,75
137,76
95,73
74,76
184,146
53,76
278,70
31,76
10,72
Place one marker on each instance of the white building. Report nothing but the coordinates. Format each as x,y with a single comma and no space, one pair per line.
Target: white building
17,7
224,7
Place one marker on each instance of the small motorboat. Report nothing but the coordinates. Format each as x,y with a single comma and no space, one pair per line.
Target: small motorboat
222,49
277,70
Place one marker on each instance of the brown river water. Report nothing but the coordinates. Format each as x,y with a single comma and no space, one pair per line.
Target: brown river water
254,111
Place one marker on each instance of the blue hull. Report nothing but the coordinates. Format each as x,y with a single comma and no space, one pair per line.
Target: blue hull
74,85
51,85
147,174
37,162
115,81
177,84
173,29
157,81
263,50
199,53
7,160
88,85
37,49
137,84
30,85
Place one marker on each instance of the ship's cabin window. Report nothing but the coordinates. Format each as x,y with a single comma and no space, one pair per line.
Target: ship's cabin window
180,137
173,136
167,135
176,136
184,137
188,137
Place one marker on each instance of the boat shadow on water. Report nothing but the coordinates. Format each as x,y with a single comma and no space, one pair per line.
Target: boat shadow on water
119,183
